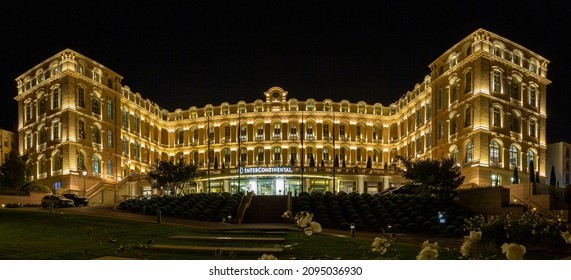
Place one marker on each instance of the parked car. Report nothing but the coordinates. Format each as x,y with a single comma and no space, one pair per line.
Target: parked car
77,200
57,201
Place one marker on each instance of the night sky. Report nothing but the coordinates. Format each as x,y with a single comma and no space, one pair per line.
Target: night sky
193,53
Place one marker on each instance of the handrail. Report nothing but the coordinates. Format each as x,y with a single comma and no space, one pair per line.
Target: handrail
244,206
546,212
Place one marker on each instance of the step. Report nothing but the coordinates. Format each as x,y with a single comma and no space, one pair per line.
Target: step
166,247
226,238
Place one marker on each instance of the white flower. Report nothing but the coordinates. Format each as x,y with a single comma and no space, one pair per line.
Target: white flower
466,247
513,251
304,219
566,236
313,227
475,236
429,251
287,215
380,245
267,257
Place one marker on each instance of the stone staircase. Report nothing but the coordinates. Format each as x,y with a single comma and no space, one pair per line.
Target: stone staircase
266,209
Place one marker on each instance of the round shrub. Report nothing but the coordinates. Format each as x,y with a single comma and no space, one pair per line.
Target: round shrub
390,221
397,228
343,225
427,225
419,220
400,215
435,230
412,227
405,221
450,230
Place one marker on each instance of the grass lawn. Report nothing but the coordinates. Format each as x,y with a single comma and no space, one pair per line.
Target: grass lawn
31,235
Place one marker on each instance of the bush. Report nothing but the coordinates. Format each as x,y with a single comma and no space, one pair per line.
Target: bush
450,230
412,227
434,230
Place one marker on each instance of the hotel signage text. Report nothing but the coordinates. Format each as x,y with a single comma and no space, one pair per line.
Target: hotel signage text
261,169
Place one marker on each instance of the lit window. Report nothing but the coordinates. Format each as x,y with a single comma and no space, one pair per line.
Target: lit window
494,152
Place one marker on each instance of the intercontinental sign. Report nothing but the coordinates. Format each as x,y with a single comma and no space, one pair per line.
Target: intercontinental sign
261,169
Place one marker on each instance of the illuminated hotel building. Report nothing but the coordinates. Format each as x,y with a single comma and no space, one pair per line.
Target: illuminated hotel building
483,104
8,142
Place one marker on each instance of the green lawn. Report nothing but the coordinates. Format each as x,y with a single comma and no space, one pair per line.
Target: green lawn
31,235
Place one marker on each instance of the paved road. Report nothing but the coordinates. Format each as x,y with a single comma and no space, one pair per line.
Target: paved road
110,211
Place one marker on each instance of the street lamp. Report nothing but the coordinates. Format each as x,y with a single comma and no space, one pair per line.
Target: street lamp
84,173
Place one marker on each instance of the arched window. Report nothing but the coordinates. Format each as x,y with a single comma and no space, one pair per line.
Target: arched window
109,168
468,82
514,89
80,161
96,134
95,108
469,152
57,161
514,156
81,129
55,130
532,128
137,151
42,165
96,165
531,157
514,122
243,155
260,154
494,152
467,117
227,155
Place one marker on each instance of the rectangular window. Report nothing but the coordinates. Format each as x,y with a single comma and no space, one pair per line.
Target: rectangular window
468,83
358,132
277,130
81,130
42,105
260,130
532,128
81,98
227,133
28,111
440,130
468,118
110,139
497,83
55,98
325,153
454,126
325,131
55,131
136,124
110,109
125,119
95,105
277,153
514,92
532,101
243,133
260,154
496,118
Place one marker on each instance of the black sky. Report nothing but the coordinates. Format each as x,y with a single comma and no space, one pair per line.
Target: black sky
192,53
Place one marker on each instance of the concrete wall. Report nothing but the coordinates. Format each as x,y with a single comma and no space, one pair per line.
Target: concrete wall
33,198
488,201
